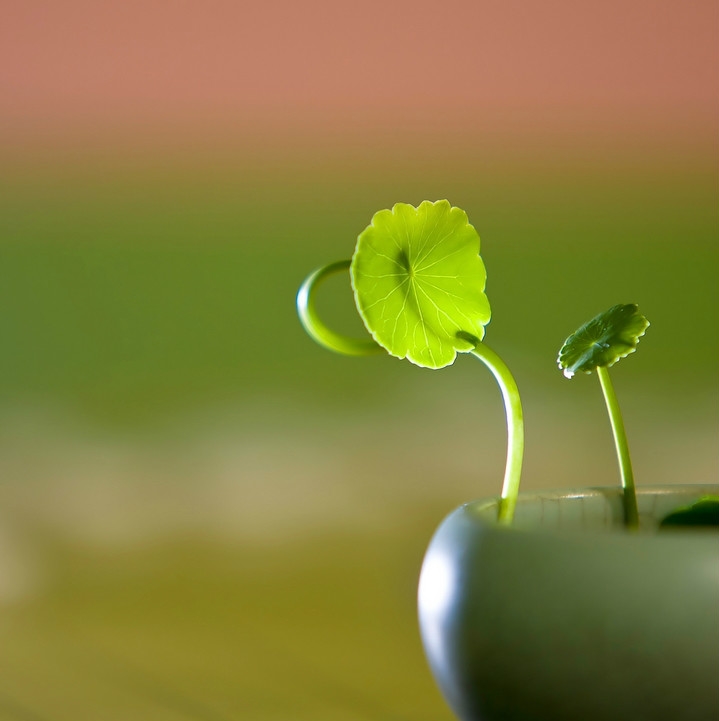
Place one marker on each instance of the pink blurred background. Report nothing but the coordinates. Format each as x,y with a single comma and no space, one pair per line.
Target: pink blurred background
240,71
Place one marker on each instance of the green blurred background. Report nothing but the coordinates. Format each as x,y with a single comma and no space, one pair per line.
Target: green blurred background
203,514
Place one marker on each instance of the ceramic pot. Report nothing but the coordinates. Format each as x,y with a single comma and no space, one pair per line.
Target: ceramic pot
567,615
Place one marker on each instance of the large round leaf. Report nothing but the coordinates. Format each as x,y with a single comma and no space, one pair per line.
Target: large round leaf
419,282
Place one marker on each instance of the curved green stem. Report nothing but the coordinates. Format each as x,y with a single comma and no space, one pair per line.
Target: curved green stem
631,514
357,346
316,329
515,429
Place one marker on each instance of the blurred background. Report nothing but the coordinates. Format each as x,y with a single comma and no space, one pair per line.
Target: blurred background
203,515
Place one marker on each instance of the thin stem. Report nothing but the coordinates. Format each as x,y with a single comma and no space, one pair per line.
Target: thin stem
631,514
515,429
356,346
316,328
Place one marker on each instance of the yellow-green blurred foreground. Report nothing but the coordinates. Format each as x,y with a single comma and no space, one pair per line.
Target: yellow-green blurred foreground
205,516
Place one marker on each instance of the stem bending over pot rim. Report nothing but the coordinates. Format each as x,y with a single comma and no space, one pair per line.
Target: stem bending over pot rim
347,345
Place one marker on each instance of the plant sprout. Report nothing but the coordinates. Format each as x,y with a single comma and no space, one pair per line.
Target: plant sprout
418,283
597,345
703,513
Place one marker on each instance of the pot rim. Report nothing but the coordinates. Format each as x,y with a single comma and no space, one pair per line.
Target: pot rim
604,504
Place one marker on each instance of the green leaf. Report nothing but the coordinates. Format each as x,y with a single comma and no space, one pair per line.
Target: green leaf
419,282
702,513
602,341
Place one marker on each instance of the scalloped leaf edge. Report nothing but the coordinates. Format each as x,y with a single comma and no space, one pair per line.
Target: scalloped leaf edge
583,364
461,342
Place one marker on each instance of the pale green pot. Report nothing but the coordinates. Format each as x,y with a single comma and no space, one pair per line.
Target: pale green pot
565,615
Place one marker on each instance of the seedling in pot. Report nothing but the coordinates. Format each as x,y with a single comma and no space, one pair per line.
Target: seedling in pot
418,283
596,346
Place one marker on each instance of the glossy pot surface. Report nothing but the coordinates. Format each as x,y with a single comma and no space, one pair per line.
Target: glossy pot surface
567,615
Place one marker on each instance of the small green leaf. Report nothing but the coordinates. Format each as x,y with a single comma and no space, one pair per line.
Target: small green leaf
702,513
602,341
419,282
